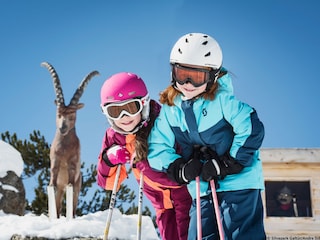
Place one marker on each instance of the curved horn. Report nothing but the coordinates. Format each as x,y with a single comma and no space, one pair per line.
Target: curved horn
82,86
56,83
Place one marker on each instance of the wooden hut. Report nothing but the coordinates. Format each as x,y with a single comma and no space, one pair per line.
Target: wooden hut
292,194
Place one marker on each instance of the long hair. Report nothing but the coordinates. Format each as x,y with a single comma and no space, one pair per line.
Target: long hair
141,144
170,93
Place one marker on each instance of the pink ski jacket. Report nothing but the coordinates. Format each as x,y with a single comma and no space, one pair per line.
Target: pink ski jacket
156,184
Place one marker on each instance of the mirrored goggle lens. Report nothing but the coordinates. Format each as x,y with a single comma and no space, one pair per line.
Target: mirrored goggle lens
196,76
117,110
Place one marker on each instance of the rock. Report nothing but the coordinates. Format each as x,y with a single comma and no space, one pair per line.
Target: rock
12,194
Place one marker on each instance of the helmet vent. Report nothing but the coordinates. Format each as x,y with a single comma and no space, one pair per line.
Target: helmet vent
205,43
179,50
208,54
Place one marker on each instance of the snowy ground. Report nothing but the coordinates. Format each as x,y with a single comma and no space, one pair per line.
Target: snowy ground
91,225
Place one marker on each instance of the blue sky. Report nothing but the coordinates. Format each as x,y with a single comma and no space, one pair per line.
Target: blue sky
271,46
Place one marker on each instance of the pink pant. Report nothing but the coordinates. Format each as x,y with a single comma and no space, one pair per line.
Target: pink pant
174,223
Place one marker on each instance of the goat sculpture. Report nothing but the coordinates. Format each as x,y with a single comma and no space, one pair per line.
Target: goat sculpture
65,161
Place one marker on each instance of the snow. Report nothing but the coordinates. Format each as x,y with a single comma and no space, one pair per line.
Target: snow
90,225
10,159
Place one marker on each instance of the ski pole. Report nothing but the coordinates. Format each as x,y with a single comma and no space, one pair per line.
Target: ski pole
295,207
216,208
198,203
196,150
140,207
112,203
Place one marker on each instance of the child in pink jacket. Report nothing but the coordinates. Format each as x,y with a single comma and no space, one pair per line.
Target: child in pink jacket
125,102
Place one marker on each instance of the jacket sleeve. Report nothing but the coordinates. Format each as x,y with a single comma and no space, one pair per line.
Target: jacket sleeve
247,127
161,142
157,177
105,174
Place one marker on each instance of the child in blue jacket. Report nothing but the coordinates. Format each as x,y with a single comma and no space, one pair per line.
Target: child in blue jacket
199,109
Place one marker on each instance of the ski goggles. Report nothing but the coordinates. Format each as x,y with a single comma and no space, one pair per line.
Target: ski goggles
115,111
196,76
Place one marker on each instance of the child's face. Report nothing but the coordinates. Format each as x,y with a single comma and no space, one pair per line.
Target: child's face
191,80
127,123
190,91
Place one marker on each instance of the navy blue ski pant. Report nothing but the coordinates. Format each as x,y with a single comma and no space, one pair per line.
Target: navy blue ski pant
241,213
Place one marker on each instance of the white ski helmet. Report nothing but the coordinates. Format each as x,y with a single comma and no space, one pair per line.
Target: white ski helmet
197,49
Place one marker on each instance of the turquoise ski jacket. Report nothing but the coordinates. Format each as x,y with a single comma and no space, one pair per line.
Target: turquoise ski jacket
223,124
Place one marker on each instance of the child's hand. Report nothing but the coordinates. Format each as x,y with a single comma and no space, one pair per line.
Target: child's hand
212,168
116,155
218,167
183,172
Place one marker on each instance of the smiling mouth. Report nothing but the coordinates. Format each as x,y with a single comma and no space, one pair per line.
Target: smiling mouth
189,90
127,123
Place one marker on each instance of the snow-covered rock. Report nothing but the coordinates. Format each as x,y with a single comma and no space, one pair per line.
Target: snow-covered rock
12,192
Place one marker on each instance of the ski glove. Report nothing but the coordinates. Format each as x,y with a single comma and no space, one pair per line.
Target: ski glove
115,155
218,167
212,168
183,172
232,165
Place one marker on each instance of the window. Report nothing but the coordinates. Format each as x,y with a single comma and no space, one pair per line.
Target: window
288,199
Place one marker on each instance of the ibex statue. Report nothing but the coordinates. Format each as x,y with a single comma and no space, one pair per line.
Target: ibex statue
65,161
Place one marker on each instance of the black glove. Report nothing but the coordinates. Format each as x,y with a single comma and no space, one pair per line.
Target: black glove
212,168
207,153
218,167
231,165
183,172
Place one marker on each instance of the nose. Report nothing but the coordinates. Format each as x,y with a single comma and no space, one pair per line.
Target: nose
64,128
188,80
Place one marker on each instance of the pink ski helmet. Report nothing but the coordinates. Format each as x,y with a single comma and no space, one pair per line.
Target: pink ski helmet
125,86
122,86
